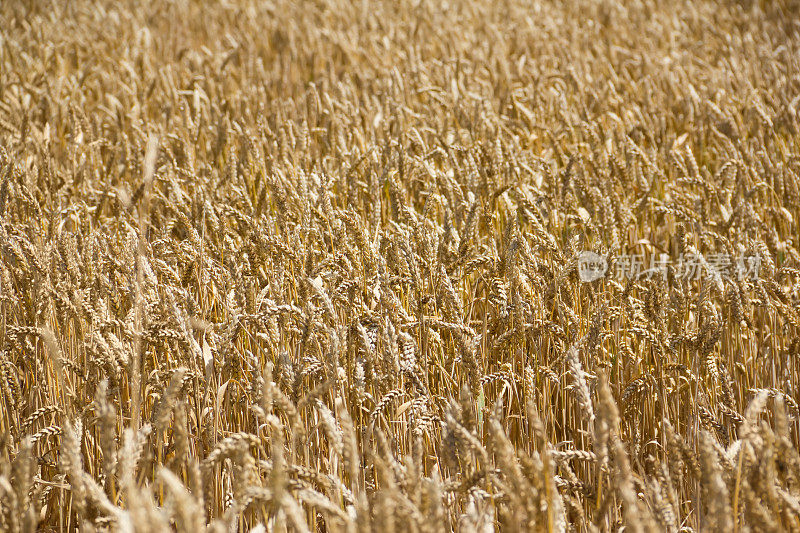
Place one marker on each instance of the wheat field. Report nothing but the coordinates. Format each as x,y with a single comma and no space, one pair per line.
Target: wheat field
321,266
